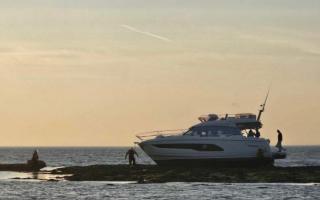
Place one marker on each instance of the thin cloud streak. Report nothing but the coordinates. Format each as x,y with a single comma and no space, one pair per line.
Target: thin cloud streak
159,37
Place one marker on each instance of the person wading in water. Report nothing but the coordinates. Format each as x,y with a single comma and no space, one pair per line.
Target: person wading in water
131,152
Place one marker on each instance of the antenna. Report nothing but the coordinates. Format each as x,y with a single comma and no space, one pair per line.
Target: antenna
263,105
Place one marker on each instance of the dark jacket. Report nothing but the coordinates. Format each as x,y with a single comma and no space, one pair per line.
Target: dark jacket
131,153
279,135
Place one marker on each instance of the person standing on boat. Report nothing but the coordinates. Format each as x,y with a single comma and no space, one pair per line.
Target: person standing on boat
251,133
280,138
131,152
258,134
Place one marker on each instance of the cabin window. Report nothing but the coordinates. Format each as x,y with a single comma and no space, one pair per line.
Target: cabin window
220,132
188,133
191,133
204,133
215,131
212,131
196,147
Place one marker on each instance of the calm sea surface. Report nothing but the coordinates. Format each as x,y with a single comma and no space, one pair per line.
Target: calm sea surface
57,157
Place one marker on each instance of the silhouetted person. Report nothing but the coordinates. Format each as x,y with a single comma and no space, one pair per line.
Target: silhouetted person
35,156
279,144
34,160
258,133
251,133
34,163
131,152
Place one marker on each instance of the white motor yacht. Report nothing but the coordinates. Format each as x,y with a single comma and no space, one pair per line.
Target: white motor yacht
231,139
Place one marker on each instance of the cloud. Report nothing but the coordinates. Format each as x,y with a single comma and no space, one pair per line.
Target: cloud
159,37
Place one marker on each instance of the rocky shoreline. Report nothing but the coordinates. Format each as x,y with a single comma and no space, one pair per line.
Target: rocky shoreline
156,174
24,167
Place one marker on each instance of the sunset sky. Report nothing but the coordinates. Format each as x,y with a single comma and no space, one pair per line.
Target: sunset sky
97,72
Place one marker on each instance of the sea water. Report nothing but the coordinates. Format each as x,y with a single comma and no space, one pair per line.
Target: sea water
71,156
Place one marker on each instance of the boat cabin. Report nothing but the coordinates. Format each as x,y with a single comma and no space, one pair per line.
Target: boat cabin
242,120
210,129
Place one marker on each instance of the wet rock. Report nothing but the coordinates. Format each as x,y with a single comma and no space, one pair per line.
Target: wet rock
18,178
52,180
156,174
32,165
28,167
141,180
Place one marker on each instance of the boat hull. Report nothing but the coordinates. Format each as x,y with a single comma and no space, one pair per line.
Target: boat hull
208,151
232,162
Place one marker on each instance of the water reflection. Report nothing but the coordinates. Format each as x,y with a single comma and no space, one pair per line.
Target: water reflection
35,176
13,175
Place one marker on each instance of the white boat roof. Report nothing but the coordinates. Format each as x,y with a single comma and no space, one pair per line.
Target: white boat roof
216,123
241,120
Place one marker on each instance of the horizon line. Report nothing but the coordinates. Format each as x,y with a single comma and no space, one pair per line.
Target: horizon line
311,145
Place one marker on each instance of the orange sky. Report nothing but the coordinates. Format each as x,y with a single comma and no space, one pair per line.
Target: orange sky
95,73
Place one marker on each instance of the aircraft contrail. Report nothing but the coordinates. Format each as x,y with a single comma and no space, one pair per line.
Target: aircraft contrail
146,33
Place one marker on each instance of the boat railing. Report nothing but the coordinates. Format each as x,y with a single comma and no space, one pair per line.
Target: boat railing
160,133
